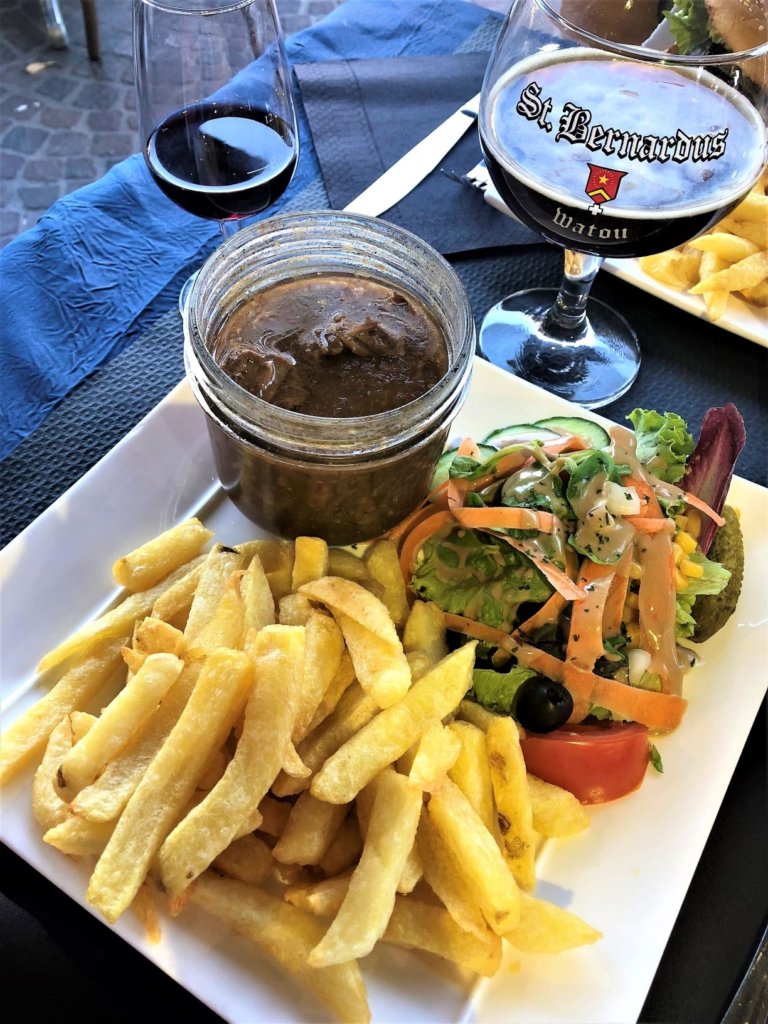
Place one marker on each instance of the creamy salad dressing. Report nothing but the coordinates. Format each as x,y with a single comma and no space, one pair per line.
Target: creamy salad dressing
599,532
657,607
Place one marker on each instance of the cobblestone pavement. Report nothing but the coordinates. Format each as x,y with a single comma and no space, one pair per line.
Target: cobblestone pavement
65,120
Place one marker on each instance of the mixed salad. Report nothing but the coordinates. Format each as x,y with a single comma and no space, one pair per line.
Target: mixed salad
583,560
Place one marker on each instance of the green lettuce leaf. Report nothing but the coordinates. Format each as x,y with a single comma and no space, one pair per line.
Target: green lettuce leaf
685,624
715,576
663,443
497,691
689,24
473,575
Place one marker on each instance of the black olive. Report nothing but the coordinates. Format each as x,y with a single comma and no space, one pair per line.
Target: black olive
542,705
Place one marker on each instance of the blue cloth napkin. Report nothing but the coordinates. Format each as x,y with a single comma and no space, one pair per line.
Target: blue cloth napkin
75,285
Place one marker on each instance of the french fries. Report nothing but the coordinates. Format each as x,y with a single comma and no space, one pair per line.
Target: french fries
731,259
290,746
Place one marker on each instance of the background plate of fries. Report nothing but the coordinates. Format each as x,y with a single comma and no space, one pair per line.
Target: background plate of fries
266,899
721,276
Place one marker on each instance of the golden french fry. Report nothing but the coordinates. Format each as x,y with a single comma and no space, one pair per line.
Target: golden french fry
447,879
118,622
369,633
269,715
754,209
293,765
287,935
311,828
323,650
213,770
728,246
350,567
155,636
546,928
425,631
344,850
119,721
716,303
175,602
414,924
744,274
513,802
555,811
310,561
753,231
472,774
475,714
148,564
419,664
258,603
105,799
383,564
354,710
170,780
340,683
674,268
26,738
367,907
47,805
294,610
225,626
145,909
476,852
757,294
387,736
247,859
217,570
79,838
435,755
277,558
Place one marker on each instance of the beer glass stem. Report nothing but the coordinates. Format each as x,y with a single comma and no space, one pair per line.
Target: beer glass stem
570,309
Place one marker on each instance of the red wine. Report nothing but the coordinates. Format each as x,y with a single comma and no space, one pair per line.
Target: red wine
221,160
618,158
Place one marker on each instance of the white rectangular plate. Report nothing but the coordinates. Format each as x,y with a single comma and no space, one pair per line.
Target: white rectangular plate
743,318
627,875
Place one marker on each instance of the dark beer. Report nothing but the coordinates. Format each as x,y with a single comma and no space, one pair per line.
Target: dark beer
616,157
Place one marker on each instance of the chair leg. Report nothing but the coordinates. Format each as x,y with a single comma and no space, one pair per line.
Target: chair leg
91,29
54,24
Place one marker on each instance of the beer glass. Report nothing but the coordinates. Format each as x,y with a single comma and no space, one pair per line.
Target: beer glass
605,138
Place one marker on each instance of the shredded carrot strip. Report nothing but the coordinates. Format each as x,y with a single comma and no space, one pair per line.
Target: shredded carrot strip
650,504
617,596
702,506
550,611
468,447
506,518
585,639
646,524
421,532
554,576
456,493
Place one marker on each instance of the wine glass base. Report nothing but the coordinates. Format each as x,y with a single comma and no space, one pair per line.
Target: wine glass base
591,365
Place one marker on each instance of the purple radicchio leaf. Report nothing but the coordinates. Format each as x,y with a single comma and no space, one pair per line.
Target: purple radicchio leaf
710,467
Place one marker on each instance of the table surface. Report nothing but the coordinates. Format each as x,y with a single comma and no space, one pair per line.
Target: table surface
52,947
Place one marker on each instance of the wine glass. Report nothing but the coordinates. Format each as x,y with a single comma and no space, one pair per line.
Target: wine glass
215,107
605,140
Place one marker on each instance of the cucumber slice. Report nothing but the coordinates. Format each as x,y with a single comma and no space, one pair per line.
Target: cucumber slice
519,433
445,460
588,429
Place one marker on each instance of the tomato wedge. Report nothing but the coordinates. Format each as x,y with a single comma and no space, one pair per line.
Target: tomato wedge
596,763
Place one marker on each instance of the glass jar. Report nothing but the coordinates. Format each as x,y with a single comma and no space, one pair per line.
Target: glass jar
344,479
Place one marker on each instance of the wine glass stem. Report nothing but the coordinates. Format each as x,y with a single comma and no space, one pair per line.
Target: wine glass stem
569,312
230,227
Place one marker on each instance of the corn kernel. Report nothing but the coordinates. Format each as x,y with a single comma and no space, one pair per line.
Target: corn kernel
686,542
694,523
632,601
678,552
635,571
681,522
633,634
629,614
681,582
737,513
691,569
